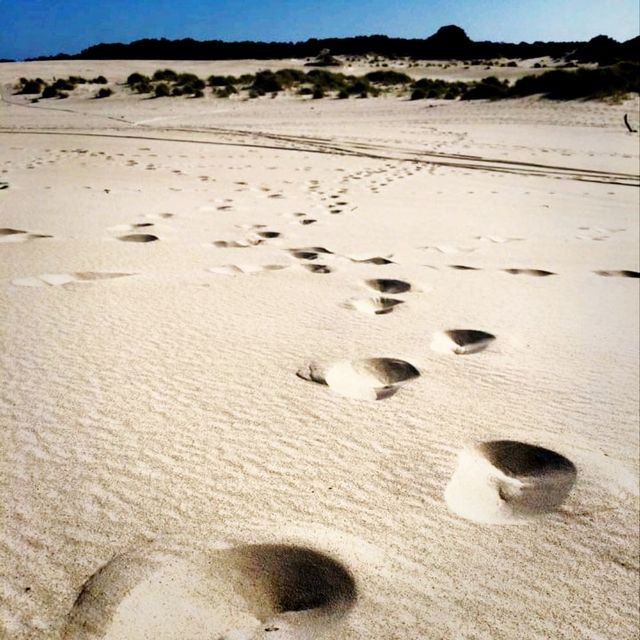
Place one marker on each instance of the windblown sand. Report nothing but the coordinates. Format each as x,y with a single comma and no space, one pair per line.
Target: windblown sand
316,369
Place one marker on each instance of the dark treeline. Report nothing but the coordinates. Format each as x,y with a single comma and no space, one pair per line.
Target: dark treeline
449,43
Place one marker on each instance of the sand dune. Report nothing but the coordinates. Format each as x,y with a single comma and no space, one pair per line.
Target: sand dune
455,286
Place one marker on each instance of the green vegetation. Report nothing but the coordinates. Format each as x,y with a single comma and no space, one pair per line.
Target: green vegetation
566,83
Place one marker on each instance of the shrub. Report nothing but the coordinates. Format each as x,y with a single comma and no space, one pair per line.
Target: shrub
63,85
136,78
487,89
143,87
254,94
602,82
512,63
176,91
418,94
218,81
327,80
343,94
62,95
165,74
225,92
77,80
305,91
31,86
198,94
162,90
318,93
266,82
288,77
388,77
99,80
105,92
49,92
191,79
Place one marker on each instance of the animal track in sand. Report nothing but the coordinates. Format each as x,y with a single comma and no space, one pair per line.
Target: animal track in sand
623,273
373,306
59,279
365,379
388,285
8,235
509,482
139,237
541,273
461,341
247,592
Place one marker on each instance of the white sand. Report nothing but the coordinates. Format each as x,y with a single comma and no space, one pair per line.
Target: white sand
150,406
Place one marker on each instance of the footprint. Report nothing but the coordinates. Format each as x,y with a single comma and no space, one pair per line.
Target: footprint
509,482
247,592
236,244
268,234
234,269
366,379
373,306
379,260
461,341
58,279
624,273
8,235
530,272
387,285
317,268
139,237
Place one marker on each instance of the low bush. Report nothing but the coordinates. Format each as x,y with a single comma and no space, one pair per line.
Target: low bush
143,86
31,85
418,94
99,80
168,75
49,92
388,77
162,90
136,78
318,93
104,92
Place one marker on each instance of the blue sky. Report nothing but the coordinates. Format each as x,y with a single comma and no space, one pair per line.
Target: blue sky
44,27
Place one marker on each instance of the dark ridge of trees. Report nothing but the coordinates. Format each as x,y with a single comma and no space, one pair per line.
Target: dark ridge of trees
448,43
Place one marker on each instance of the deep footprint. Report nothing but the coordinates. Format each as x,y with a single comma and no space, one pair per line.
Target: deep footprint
509,482
461,341
241,592
386,285
374,306
623,273
139,237
530,272
366,379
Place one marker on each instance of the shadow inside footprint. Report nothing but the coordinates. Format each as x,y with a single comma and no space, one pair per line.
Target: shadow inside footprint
290,591
139,237
386,285
507,482
530,272
373,306
622,273
462,341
